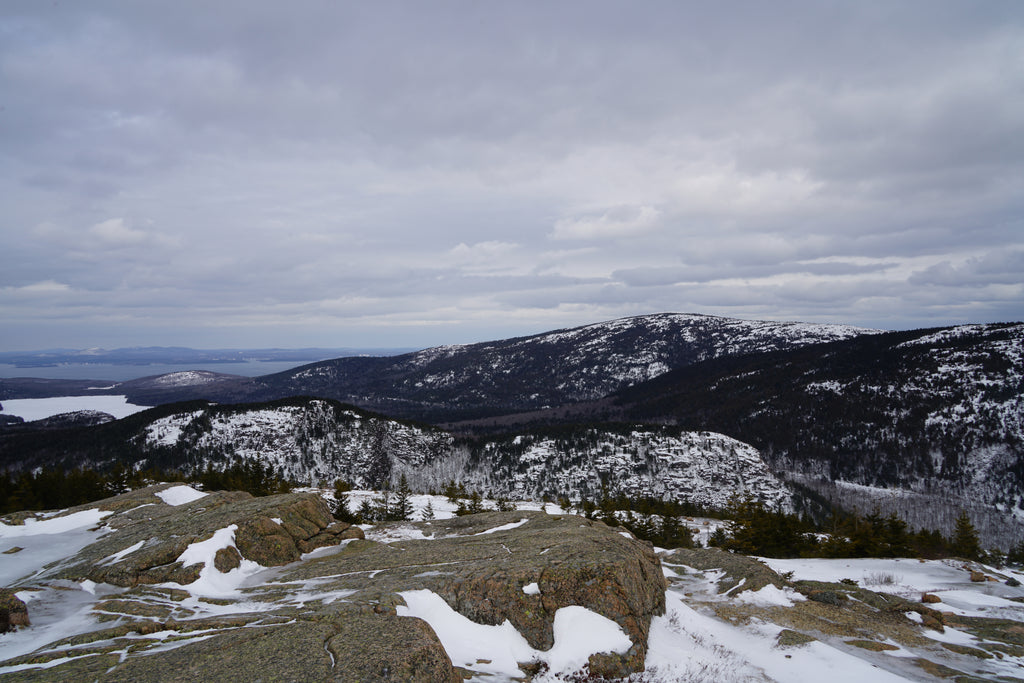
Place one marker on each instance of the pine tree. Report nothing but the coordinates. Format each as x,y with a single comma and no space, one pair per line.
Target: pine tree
965,541
1016,554
341,510
471,506
503,504
428,511
367,511
451,491
402,509
674,534
382,506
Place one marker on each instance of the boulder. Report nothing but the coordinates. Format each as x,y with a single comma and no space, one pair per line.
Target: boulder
13,612
164,532
592,566
572,561
742,572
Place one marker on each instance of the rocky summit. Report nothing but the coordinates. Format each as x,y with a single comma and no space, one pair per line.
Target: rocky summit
170,584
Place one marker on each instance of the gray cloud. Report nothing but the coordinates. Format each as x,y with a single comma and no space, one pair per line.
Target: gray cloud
410,174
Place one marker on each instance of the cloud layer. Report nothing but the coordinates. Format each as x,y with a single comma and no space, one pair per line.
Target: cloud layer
400,173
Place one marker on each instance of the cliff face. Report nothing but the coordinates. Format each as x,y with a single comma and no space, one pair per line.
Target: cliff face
169,584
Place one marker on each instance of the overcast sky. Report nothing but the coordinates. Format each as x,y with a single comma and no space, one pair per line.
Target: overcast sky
260,173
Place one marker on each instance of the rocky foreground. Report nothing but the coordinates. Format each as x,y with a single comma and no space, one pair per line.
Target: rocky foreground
327,614
170,584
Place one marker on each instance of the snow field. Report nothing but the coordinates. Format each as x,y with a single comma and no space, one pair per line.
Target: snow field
686,645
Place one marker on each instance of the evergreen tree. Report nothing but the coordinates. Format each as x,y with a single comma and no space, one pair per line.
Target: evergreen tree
451,491
367,511
402,509
382,508
473,505
644,527
340,509
503,504
673,534
965,541
1016,554
718,538
607,509
428,511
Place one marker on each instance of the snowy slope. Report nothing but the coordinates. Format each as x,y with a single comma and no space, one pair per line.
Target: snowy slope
319,441
548,369
700,467
311,441
937,413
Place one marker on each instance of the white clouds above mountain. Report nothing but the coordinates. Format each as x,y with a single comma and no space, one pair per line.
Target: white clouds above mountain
244,173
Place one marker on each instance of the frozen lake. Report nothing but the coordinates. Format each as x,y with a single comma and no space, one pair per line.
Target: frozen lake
30,409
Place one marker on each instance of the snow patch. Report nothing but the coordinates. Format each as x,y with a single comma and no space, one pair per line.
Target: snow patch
504,527
179,495
54,525
118,556
496,650
211,581
770,596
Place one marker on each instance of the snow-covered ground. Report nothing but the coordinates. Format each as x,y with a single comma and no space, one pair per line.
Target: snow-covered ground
909,578
30,409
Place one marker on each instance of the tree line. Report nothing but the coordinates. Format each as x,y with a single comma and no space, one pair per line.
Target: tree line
752,528
55,489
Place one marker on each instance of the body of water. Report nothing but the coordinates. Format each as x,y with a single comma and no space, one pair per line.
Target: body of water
120,373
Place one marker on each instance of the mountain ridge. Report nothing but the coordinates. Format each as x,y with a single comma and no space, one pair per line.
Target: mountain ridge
496,377
930,420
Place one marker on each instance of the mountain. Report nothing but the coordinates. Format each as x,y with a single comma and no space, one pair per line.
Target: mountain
549,369
317,441
921,422
173,584
448,383
924,422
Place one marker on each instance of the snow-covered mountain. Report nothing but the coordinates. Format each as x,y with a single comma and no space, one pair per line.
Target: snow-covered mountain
171,583
448,383
543,370
700,467
317,441
937,413
922,422
307,440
